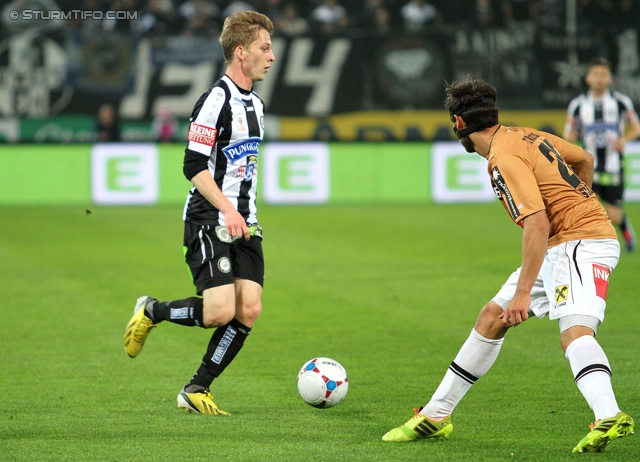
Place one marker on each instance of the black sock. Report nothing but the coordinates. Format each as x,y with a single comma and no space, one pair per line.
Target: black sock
625,223
224,345
187,312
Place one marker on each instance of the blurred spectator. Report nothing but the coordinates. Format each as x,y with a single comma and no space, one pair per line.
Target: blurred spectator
76,22
200,16
417,14
158,18
586,13
484,13
164,125
330,17
605,11
376,18
289,23
14,25
272,9
629,13
457,13
551,15
124,24
517,12
235,6
107,126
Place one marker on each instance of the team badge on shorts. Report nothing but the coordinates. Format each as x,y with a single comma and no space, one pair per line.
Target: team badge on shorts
224,265
561,293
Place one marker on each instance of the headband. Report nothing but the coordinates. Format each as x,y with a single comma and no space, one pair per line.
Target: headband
471,128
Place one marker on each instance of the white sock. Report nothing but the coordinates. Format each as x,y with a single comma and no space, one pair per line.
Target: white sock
592,374
474,359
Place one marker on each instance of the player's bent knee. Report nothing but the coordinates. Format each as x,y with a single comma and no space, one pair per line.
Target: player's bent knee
490,313
255,310
488,323
248,314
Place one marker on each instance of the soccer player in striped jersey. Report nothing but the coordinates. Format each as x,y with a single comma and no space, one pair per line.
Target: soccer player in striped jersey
569,249
222,238
604,120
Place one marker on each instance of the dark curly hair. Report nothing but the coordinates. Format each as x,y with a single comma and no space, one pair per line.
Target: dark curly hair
473,100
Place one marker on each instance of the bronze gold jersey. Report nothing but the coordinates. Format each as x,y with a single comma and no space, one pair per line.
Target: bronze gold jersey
530,171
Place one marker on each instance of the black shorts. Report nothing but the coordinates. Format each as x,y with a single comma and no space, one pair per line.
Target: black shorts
609,194
215,263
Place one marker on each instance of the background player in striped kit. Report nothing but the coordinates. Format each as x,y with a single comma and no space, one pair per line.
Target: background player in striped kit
569,249
222,239
599,119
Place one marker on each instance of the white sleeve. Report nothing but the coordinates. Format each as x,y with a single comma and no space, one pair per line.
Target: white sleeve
630,116
204,129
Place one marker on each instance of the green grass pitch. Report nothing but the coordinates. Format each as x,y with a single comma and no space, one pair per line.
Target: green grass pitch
390,291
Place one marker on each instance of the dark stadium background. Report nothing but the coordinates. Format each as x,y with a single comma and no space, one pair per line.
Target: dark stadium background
56,73
383,237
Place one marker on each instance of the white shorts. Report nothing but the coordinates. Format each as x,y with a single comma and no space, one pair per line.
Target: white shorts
573,280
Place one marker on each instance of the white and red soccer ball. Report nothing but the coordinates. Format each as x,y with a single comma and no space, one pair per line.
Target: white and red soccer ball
323,382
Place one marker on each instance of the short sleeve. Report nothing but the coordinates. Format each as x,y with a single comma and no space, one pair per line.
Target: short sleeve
205,126
571,153
513,177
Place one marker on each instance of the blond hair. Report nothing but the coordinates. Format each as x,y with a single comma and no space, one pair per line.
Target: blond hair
241,29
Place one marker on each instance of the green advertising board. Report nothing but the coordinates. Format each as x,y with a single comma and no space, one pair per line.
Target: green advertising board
290,173
86,174
66,174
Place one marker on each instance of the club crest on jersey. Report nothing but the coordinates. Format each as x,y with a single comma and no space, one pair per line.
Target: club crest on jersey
247,172
242,149
240,126
202,134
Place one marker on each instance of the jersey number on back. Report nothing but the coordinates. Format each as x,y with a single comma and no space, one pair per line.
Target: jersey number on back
565,171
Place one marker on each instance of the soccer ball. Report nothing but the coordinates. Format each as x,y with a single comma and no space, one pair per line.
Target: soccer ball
322,382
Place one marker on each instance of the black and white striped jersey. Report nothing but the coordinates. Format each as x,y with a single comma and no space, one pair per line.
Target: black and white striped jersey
227,126
599,123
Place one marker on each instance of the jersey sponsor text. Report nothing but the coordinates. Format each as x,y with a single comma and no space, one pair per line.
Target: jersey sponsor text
226,340
601,280
502,187
244,148
202,134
